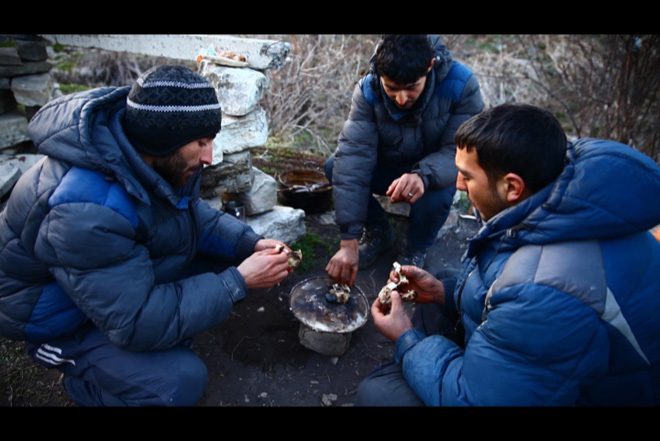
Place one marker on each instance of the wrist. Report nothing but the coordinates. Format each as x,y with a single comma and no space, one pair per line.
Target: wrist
348,243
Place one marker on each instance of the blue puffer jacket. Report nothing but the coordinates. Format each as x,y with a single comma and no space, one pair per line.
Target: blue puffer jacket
422,138
93,233
560,295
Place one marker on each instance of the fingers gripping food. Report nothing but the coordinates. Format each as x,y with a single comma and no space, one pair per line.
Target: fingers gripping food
384,294
295,257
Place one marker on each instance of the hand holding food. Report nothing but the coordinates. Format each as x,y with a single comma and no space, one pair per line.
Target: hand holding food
384,294
294,259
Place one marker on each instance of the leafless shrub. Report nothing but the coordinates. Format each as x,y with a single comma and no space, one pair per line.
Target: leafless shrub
309,97
609,86
97,67
598,85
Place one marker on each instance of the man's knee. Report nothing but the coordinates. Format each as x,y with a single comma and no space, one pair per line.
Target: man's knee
184,383
175,377
386,386
370,393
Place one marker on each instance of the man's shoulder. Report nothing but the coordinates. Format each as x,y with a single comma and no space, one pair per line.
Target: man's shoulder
81,185
452,85
574,267
368,92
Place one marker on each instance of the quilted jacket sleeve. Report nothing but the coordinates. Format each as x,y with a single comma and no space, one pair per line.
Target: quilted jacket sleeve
116,288
536,348
355,160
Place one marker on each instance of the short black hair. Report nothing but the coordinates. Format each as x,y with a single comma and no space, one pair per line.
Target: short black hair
403,58
516,138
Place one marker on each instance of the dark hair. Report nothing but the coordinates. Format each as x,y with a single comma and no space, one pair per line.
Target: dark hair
516,138
403,58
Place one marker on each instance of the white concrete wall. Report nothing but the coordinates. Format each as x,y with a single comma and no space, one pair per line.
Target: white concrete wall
260,54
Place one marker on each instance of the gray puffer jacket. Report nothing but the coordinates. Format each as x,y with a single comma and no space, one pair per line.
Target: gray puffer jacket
421,138
93,233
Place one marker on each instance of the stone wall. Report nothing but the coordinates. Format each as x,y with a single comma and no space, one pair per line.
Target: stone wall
25,85
25,79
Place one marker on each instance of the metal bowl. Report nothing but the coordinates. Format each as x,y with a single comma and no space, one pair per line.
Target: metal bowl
308,190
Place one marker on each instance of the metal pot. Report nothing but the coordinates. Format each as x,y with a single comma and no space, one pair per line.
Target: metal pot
308,190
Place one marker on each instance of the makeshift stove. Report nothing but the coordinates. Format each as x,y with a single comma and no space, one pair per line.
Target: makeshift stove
326,326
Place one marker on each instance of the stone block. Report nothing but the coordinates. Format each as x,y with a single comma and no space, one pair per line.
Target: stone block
282,223
32,50
13,129
233,175
28,68
325,343
9,57
242,133
262,197
398,208
33,90
239,90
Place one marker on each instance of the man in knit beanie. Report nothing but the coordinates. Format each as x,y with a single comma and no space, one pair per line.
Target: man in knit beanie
110,262
167,109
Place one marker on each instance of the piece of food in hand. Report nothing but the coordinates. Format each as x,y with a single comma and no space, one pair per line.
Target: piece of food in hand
384,294
295,257
338,293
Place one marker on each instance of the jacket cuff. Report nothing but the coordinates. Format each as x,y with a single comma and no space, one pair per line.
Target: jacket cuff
450,287
238,290
417,170
246,246
351,231
406,341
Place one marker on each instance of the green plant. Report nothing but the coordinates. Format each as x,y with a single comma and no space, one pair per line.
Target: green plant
314,251
72,88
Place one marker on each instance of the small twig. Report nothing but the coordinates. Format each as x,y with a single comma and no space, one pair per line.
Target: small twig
235,347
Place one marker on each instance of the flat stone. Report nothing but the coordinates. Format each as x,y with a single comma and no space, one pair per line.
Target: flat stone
9,56
33,90
262,197
28,68
282,223
242,133
31,50
13,129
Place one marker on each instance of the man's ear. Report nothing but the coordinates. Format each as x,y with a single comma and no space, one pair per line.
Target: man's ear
514,188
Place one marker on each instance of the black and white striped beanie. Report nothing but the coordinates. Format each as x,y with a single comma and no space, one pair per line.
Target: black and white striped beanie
169,107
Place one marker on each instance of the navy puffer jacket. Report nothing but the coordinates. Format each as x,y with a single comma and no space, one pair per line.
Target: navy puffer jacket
93,233
421,138
559,295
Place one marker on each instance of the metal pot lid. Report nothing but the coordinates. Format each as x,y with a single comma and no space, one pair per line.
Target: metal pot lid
309,304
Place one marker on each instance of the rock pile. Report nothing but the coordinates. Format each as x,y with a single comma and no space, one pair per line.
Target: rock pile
26,84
